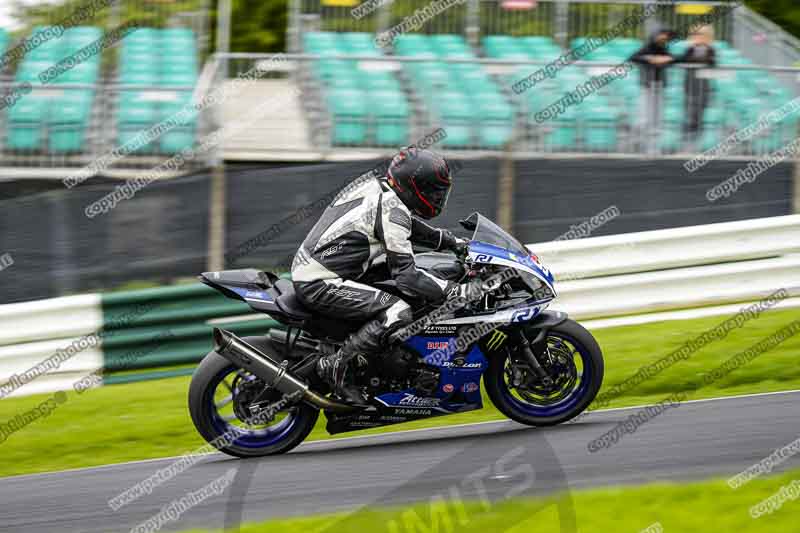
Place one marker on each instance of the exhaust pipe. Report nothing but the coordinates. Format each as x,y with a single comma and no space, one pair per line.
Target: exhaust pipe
274,375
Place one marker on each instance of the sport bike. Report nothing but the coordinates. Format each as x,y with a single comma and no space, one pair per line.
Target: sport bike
260,395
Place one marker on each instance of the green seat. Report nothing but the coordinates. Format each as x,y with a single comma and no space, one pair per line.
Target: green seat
503,46
148,67
183,135
326,69
379,81
135,114
561,133
67,121
83,73
313,41
139,78
25,120
496,126
177,79
390,113
348,109
178,68
413,45
455,110
345,82
600,128
359,44
450,45
176,140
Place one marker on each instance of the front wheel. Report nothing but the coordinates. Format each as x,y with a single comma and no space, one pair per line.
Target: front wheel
220,396
574,362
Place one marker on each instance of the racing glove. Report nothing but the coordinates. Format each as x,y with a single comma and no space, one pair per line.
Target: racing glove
453,243
472,291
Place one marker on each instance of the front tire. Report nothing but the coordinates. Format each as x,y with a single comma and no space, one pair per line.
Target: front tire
521,408
286,434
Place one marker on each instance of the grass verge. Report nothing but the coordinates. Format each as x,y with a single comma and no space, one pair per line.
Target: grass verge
677,508
150,420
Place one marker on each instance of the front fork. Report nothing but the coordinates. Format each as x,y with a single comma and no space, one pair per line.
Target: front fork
528,350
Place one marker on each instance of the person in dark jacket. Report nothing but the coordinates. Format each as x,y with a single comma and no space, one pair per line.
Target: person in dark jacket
653,59
698,87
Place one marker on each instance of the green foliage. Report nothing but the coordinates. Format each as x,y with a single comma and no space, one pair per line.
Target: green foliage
784,13
259,25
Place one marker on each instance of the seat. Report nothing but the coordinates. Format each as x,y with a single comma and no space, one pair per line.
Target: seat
288,302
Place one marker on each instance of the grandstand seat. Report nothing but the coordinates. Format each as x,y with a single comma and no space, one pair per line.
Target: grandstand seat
68,119
163,58
55,121
390,114
365,106
349,115
25,123
4,40
600,126
455,112
496,126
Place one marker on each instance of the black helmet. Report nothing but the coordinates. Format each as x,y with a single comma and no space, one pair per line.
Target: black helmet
422,180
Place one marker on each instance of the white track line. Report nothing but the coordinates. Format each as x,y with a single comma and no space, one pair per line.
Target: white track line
404,432
683,314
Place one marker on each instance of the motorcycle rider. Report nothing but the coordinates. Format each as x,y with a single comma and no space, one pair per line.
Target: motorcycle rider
371,222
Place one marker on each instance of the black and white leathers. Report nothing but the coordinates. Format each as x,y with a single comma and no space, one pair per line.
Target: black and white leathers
364,226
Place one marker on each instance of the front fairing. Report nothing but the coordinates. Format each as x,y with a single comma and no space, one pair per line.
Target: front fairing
485,253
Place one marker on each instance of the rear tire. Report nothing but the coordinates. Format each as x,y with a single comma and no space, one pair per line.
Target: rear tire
592,357
212,369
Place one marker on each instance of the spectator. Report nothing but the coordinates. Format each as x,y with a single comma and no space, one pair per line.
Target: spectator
697,86
652,58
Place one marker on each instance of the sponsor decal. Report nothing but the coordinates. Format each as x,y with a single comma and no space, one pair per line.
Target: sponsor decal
441,330
417,401
526,314
470,387
345,293
448,388
461,365
256,294
414,412
332,250
496,340
438,345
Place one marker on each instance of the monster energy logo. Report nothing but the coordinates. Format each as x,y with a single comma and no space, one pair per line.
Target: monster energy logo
496,340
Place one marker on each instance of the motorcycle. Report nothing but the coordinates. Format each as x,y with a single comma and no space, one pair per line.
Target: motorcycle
260,395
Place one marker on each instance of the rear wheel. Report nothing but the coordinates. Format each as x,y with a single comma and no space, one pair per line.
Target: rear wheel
574,362
220,396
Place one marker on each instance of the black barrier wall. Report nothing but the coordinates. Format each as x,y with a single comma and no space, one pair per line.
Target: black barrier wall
553,195
162,232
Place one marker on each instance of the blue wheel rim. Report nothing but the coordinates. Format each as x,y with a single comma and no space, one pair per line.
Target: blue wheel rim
248,438
565,405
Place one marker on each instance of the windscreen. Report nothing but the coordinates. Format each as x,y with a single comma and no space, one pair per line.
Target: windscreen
490,233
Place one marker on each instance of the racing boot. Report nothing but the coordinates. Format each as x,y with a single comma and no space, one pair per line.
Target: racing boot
333,368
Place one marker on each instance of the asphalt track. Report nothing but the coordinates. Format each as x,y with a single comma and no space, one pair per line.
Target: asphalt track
490,460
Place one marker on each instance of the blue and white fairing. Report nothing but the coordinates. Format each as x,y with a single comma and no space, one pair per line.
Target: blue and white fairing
491,244
480,252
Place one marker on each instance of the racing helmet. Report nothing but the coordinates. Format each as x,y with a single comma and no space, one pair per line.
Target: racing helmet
422,181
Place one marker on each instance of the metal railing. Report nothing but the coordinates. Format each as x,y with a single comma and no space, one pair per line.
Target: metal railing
562,19
680,118
49,139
